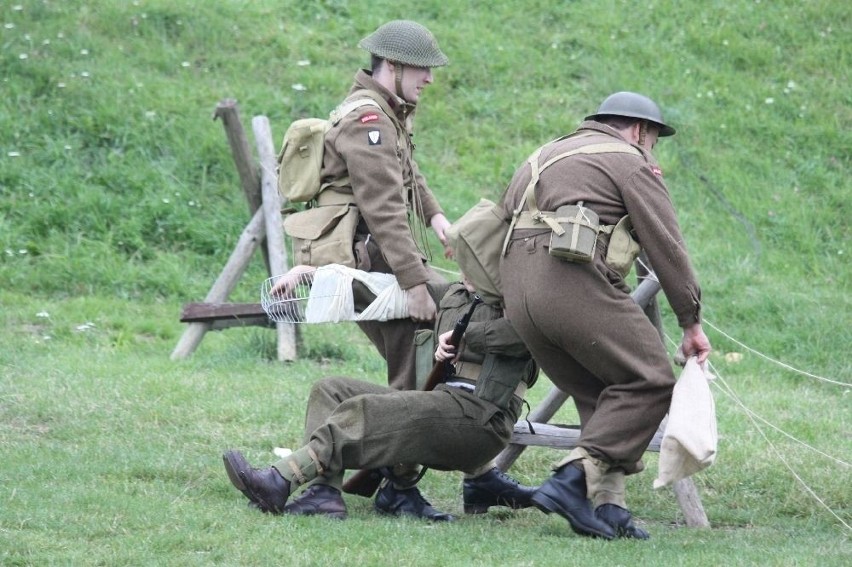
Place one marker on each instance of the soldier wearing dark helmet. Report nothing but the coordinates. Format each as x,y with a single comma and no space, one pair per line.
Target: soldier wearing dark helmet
578,319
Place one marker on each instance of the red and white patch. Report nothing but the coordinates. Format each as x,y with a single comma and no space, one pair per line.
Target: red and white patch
372,117
656,171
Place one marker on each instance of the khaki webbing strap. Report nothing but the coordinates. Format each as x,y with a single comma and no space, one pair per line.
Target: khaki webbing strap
346,107
536,217
316,461
327,198
297,472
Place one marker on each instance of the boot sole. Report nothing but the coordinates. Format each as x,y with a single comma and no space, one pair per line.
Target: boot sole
483,508
548,505
332,515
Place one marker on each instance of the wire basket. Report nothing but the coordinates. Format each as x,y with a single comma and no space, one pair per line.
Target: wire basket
285,297
325,295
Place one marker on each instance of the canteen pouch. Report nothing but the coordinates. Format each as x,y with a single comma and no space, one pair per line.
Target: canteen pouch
623,248
424,356
577,242
323,235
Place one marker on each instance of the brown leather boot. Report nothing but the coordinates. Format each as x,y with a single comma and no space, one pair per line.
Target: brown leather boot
266,488
318,500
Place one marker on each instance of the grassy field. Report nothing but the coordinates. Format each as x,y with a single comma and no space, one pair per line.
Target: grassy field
119,202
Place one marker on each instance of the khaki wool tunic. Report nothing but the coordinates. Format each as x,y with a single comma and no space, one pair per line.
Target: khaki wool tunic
578,320
375,151
353,424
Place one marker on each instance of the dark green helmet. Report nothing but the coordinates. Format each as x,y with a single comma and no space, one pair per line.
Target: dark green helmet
633,105
406,42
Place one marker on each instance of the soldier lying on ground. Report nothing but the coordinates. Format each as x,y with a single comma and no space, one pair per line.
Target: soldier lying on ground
461,425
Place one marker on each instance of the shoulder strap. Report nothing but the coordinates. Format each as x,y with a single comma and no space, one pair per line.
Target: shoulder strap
528,198
346,107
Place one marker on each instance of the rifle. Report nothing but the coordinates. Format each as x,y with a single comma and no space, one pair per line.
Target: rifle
365,482
444,369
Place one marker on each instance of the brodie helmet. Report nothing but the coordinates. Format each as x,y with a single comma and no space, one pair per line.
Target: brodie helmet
633,105
406,42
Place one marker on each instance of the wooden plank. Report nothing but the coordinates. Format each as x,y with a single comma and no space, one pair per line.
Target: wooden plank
193,312
560,436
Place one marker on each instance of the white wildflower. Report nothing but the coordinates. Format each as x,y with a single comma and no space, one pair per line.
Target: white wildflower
769,100
23,56
299,87
185,64
14,154
43,315
84,52
303,63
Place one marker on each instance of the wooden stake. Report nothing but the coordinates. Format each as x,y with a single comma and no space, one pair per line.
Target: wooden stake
274,226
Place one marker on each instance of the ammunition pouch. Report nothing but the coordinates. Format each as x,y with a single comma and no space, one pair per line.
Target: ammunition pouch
424,356
623,248
324,235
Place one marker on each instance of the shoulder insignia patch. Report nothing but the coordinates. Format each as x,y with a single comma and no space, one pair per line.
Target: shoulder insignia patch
370,117
374,137
656,171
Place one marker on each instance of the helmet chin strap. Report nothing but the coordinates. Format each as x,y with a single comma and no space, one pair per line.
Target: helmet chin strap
397,76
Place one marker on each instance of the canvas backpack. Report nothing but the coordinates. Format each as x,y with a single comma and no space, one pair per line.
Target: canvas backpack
481,236
300,158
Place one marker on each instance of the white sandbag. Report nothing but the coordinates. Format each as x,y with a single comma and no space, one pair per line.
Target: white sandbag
690,440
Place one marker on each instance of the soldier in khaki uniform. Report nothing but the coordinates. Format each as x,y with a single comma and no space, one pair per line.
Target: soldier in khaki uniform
461,425
578,320
373,148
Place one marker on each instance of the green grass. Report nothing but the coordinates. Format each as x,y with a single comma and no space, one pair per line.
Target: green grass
119,201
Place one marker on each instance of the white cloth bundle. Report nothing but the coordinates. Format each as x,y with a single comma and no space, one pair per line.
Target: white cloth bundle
331,299
690,440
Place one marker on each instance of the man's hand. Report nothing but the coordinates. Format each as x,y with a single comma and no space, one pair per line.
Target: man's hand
287,284
421,306
440,224
445,350
695,343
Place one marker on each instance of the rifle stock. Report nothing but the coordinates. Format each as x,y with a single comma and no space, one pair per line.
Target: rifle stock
365,482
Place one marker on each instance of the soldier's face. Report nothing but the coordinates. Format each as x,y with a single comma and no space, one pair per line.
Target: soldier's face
414,80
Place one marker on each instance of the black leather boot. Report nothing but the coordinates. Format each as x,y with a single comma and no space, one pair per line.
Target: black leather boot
620,520
266,488
494,488
407,502
565,494
318,500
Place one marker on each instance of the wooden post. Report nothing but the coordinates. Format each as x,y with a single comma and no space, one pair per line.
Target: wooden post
228,111
274,227
237,263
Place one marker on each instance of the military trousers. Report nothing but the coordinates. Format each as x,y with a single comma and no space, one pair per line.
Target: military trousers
352,424
594,343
